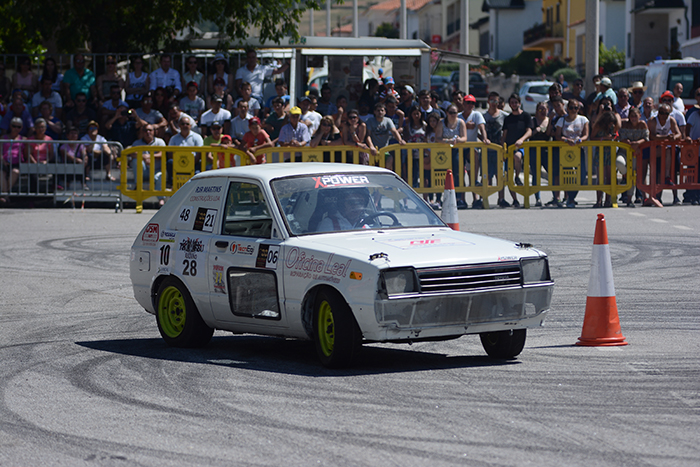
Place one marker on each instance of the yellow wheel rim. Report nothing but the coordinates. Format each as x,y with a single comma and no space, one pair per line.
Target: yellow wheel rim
172,312
326,328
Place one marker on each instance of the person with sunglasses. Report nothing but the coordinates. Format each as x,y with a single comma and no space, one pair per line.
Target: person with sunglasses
573,129
637,94
137,84
192,73
108,79
78,80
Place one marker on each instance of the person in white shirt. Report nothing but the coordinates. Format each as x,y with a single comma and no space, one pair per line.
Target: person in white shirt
239,123
216,114
309,117
677,99
186,137
255,74
165,76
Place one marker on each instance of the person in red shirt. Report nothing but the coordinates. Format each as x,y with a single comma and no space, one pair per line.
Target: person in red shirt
256,138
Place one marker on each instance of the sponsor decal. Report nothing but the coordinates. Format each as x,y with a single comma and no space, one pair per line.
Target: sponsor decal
204,198
163,270
242,249
191,245
208,189
298,261
167,236
356,275
218,279
326,181
150,234
267,256
205,219
413,243
186,255
185,215
507,258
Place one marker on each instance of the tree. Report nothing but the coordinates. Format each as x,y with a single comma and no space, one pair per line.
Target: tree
611,60
387,30
129,25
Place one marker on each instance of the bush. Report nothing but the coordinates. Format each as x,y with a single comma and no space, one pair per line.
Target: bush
569,74
549,65
610,60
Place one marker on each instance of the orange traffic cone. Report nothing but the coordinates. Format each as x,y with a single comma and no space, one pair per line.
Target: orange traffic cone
601,325
449,202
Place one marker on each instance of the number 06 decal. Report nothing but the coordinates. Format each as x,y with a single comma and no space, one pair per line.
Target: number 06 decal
272,256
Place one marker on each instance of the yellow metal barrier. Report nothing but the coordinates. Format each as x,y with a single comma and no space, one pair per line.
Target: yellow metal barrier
426,174
341,154
574,168
178,168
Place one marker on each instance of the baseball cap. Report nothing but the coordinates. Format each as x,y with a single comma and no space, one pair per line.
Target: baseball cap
254,120
470,98
305,98
220,57
667,94
409,89
93,123
218,99
215,123
219,81
193,83
295,111
606,82
388,80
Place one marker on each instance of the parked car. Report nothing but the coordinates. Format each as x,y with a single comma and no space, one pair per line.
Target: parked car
478,87
441,84
662,75
339,254
533,92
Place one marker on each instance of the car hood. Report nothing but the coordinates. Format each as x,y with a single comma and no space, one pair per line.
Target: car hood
420,247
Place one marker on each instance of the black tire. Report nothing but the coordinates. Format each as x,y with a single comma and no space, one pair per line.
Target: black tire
504,344
179,321
337,337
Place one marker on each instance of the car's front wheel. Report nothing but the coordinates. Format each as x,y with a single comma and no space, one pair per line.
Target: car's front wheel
179,321
337,336
504,344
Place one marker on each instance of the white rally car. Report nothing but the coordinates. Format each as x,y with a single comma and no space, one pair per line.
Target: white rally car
340,254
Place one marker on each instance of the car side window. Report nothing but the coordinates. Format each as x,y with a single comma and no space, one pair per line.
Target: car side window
247,212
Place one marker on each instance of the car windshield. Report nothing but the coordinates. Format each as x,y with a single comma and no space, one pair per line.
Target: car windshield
353,201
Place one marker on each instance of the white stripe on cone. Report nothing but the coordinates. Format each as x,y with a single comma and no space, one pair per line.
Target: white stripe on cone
600,283
449,209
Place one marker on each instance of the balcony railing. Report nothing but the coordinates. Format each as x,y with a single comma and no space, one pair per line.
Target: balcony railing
543,31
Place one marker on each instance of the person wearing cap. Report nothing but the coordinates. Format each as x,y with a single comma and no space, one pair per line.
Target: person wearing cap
192,104
667,98
309,117
281,92
294,133
665,127
246,91
388,89
165,76
476,130
217,138
256,138
406,99
99,154
637,94
216,114
606,91
678,103
220,72
254,73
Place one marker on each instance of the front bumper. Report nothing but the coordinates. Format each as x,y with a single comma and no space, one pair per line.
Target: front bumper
456,314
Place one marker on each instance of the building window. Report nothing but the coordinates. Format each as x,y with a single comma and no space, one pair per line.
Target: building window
558,17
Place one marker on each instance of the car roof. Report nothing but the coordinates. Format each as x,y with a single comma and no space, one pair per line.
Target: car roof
267,172
538,83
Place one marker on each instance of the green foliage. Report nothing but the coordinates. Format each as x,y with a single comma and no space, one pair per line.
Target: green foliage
129,25
611,60
548,65
521,64
569,74
387,30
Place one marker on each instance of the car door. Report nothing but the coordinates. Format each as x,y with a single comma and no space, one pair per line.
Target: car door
245,267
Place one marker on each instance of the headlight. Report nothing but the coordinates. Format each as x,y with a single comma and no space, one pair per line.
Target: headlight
398,282
535,270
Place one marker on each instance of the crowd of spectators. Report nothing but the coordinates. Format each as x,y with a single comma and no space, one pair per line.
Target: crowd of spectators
165,107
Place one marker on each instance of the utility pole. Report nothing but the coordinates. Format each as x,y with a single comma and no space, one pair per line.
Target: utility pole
592,34
464,45
403,26
328,18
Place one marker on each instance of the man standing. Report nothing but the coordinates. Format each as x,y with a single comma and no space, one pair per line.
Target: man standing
78,79
517,128
677,99
309,117
165,76
81,115
623,105
148,138
255,74
380,129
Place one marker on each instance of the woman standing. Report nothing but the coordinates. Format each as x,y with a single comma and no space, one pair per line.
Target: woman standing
572,129
605,127
633,132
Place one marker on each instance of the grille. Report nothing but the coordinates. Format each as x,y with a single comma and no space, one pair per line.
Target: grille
466,278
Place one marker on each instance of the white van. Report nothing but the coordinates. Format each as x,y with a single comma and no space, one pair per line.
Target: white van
662,75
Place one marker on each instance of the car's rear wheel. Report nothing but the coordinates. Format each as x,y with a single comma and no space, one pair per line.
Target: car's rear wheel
337,336
504,344
179,321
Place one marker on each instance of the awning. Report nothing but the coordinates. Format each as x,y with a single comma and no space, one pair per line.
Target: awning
364,52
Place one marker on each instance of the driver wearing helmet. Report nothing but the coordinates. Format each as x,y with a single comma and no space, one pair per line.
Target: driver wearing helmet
351,204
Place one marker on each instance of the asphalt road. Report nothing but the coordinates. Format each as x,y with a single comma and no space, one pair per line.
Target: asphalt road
86,380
